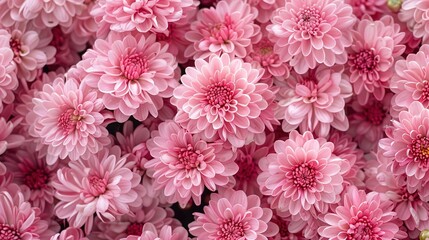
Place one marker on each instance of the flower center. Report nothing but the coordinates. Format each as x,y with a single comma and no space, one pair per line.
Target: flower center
263,53
420,151
364,61
425,92
133,66
407,196
231,230
220,33
304,176
362,228
134,229
36,179
98,185
375,113
312,85
8,233
70,120
189,158
309,19
219,94
15,45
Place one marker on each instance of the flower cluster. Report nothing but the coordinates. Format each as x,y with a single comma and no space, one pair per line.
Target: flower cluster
214,119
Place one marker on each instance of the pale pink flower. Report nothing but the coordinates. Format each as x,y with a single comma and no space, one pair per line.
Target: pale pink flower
19,220
143,16
361,216
413,12
150,232
68,118
31,50
367,121
314,101
266,8
70,233
233,215
406,146
308,32
8,80
227,28
223,98
132,72
248,170
101,185
302,175
32,173
373,8
183,164
8,139
372,56
411,80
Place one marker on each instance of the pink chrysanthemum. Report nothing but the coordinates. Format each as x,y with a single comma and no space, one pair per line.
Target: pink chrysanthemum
314,101
143,16
233,215
411,80
227,28
133,73
31,50
32,173
150,232
307,32
68,118
103,184
70,233
8,139
367,122
266,8
361,216
414,12
133,225
19,220
222,98
183,164
8,80
372,56
407,145
303,174
373,8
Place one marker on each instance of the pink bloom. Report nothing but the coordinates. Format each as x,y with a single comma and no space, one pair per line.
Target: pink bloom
19,220
32,173
8,80
372,56
103,184
183,164
30,49
227,28
314,101
361,216
248,170
233,215
413,12
367,122
70,233
143,16
133,225
8,139
411,80
302,174
266,8
133,73
283,221
150,232
68,118
307,32
373,8
222,98
407,145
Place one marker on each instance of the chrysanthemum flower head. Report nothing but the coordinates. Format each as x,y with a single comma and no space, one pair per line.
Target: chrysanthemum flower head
302,174
223,98
132,72
183,164
311,32
233,215
8,79
413,12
